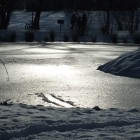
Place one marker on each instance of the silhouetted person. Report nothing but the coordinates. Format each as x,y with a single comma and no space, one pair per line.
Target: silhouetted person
73,21
79,24
84,23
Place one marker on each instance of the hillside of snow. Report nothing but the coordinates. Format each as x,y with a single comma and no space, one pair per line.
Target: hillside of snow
126,65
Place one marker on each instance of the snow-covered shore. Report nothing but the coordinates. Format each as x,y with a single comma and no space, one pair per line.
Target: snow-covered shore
126,65
20,121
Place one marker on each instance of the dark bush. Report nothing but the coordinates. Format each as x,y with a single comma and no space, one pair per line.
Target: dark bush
104,30
66,38
114,38
12,37
124,39
3,39
29,36
4,36
52,36
137,38
94,39
75,37
46,39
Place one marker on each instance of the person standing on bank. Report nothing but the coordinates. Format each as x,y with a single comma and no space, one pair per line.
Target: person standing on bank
73,21
84,23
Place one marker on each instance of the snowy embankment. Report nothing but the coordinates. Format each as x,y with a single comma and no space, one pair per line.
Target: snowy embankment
38,122
125,65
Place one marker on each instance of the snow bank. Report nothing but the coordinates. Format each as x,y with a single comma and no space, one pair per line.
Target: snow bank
126,65
37,122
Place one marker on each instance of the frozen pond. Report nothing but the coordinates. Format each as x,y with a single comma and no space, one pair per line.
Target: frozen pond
65,75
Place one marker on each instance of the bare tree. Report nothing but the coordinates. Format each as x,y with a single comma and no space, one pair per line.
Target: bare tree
7,7
38,10
126,20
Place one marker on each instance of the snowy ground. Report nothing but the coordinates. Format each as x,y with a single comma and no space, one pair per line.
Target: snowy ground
25,122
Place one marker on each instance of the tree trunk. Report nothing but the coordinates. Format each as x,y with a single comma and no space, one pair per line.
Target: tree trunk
108,21
6,11
7,20
36,21
2,20
39,9
132,22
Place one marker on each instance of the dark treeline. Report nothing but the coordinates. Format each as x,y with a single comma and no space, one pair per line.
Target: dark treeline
6,9
102,5
37,6
85,4
73,4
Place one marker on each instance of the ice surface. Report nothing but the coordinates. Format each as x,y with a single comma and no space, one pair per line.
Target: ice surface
66,74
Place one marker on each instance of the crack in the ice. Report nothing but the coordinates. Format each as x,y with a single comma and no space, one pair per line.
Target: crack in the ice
5,70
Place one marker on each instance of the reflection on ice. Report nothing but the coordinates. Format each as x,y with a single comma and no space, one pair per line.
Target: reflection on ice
50,70
61,73
55,101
